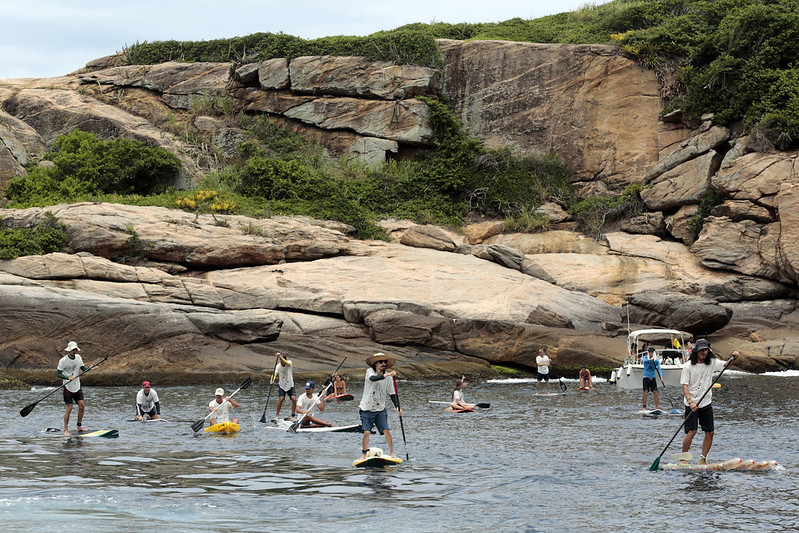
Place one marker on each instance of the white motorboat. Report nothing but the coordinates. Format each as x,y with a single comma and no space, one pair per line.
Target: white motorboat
669,345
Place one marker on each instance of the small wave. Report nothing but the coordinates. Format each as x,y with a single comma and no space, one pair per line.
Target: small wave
783,374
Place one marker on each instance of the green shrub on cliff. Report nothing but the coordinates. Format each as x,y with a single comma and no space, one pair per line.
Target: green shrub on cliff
85,166
49,236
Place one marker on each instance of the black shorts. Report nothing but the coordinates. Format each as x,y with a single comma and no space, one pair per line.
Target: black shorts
151,413
703,417
542,376
72,397
650,384
282,393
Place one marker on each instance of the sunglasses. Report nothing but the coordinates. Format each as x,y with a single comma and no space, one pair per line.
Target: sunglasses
383,361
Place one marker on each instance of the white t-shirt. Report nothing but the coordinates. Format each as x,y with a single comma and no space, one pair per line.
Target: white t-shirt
147,401
699,379
71,367
221,414
457,395
305,403
543,364
375,392
285,376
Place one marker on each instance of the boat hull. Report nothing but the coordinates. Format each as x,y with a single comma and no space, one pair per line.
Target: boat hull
631,376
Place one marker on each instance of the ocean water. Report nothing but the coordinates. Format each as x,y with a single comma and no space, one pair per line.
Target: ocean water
572,461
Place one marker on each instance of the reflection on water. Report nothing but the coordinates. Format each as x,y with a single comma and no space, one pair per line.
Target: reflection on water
526,464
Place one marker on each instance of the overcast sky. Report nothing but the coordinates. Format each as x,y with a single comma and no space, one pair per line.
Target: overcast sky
46,38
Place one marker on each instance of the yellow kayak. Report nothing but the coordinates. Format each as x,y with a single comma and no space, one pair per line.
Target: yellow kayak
224,427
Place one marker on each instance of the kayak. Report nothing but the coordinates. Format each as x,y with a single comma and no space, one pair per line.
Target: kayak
732,465
224,427
342,398
377,461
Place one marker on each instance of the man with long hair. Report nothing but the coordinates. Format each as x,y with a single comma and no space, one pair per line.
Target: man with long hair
697,380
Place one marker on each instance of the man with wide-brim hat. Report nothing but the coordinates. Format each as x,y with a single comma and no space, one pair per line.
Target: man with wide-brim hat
69,369
372,408
697,385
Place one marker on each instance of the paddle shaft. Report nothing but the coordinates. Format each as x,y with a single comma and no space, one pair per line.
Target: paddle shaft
297,424
692,413
196,426
399,412
25,411
480,405
673,407
268,394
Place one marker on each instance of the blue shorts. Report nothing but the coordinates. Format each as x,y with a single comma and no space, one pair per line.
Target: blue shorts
374,418
282,393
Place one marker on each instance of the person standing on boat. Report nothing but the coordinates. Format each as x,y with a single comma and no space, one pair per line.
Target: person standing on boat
308,404
147,403
372,408
458,403
543,361
69,368
285,386
651,371
696,380
220,406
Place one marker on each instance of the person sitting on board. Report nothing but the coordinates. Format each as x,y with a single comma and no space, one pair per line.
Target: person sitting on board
586,381
543,361
457,397
651,371
339,386
696,379
219,406
147,403
372,408
69,368
285,385
310,403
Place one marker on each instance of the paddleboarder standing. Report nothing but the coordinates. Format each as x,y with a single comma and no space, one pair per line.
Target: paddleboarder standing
372,408
697,379
147,403
543,361
285,385
69,368
651,371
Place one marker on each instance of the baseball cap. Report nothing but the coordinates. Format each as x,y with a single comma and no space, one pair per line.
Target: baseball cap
309,385
145,384
219,392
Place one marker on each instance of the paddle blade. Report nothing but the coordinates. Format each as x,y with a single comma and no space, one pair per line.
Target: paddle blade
263,419
655,465
483,405
25,411
246,383
294,426
198,425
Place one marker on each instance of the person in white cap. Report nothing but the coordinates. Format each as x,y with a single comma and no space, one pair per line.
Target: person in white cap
308,404
147,403
372,408
219,406
696,381
69,368
285,385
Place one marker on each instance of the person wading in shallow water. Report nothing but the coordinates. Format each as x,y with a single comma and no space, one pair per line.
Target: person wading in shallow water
696,379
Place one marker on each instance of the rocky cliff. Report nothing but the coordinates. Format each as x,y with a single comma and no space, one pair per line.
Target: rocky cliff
216,296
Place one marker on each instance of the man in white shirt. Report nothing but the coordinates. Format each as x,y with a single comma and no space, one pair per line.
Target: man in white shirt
147,403
69,368
372,408
285,377
543,361
220,406
697,380
308,404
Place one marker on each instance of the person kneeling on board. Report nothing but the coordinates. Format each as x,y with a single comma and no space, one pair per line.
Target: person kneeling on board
147,403
457,396
372,408
220,406
307,406
586,382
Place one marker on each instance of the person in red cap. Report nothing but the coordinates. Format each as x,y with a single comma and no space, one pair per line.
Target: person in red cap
147,403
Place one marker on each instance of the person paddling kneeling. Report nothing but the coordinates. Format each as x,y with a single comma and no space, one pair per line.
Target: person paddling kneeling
457,396
307,404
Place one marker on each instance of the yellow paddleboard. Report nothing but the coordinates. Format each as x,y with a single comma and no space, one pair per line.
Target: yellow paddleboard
224,427
377,461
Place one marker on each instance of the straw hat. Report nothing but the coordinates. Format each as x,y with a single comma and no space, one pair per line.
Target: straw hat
380,356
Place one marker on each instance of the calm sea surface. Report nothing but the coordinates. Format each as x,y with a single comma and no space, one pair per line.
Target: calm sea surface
574,461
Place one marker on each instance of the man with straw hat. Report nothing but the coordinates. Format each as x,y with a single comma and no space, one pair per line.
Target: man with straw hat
69,369
373,404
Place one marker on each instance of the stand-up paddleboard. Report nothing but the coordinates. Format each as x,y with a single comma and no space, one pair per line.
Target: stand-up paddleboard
105,433
548,394
377,461
286,424
586,388
342,397
451,410
224,428
651,413
148,420
732,465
